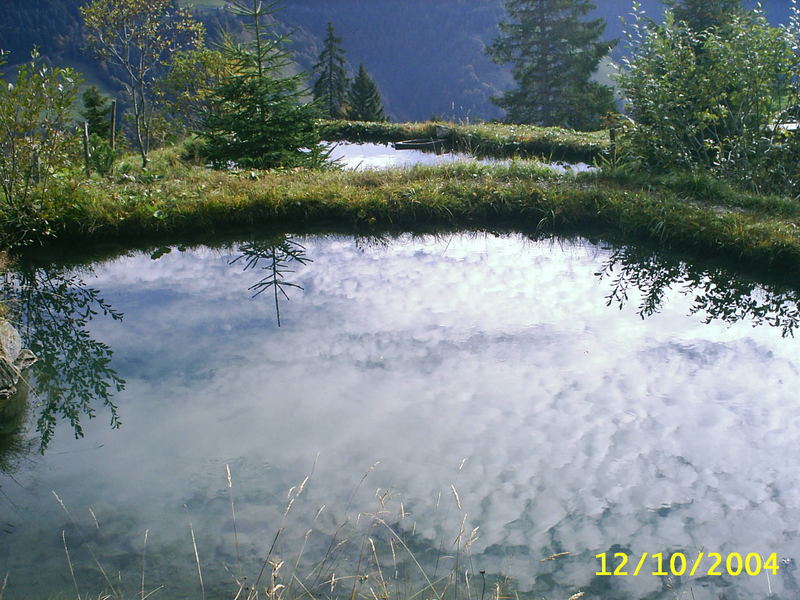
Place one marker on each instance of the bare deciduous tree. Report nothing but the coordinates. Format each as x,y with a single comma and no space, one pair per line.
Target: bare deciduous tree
140,37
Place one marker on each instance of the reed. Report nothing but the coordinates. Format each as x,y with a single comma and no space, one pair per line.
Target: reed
372,554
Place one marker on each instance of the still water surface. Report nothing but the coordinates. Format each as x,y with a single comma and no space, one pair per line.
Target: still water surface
366,156
559,395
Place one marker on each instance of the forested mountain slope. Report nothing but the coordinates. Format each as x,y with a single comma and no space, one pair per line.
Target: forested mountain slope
427,56
54,26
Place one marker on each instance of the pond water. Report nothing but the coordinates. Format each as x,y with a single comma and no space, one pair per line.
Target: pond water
364,156
558,395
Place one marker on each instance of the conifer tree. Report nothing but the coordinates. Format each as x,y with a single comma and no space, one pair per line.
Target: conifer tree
553,52
364,99
331,86
96,112
702,15
256,116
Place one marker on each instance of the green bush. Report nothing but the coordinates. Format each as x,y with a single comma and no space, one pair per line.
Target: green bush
35,145
715,99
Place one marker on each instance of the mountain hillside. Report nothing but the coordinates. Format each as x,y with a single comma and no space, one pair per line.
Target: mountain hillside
427,56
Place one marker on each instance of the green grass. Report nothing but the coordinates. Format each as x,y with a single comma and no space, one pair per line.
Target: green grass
173,199
710,191
489,139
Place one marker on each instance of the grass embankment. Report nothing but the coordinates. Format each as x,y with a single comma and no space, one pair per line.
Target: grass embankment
489,139
686,213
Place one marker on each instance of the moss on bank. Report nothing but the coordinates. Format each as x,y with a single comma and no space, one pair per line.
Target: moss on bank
174,199
491,139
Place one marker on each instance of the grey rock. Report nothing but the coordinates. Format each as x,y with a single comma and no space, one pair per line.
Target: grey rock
13,358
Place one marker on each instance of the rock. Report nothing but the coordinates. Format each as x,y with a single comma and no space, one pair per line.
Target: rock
13,358
443,133
10,342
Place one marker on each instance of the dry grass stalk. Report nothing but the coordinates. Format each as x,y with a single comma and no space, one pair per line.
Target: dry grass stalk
94,518
229,482
411,555
555,556
369,581
144,551
455,495
293,494
385,590
197,559
69,563
88,547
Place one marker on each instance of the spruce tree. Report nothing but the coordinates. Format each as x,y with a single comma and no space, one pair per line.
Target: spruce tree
553,52
97,113
702,15
256,116
330,89
364,99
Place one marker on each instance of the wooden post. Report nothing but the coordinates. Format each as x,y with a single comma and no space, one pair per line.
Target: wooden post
613,136
37,167
113,124
86,155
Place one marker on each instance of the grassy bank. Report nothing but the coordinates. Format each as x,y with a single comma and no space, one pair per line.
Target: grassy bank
175,199
494,139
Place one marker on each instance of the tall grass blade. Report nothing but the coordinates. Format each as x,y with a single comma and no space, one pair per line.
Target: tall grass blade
144,550
94,518
69,563
197,558
229,482
294,493
293,576
159,588
88,547
411,555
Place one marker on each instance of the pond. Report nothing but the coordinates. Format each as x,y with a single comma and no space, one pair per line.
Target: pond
479,401
363,156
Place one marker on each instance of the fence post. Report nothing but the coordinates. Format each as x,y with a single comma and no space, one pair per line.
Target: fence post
86,155
613,135
37,167
113,124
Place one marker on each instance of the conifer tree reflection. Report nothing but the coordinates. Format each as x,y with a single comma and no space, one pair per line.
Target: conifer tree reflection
275,257
718,293
52,309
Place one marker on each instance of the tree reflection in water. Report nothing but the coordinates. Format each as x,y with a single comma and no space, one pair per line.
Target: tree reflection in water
275,257
13,442
52,308
718,293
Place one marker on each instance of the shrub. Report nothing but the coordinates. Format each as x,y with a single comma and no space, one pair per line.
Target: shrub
34,144
715,99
